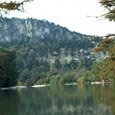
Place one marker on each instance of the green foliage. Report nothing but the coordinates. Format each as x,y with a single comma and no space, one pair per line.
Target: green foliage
12,5
105,69
68,77
110,6
55,80
79,76
30,77
60,79
8,72
83,76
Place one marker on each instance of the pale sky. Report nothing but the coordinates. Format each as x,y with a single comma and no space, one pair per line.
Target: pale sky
73,14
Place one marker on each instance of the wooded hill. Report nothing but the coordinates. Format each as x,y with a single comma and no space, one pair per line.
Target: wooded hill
45,49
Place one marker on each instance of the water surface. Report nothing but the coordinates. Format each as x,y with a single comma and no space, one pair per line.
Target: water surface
68,100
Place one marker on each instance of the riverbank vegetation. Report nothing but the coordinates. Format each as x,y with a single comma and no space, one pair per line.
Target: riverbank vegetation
8,71
104,69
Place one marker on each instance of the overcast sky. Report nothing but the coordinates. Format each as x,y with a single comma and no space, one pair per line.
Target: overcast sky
76,15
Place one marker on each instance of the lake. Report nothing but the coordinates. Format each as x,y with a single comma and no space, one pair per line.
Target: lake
67,100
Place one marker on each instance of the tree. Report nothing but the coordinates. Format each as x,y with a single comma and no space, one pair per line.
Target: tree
110,6
105,69
12,5
8,71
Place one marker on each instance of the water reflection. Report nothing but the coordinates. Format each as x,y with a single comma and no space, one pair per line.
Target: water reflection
9,102
68,100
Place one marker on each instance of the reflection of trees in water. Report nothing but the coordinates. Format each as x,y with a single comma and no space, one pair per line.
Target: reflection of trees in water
69,100
62,101
78,110
9,102
86,107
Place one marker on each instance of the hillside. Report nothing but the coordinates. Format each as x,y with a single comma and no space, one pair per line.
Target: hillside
44,49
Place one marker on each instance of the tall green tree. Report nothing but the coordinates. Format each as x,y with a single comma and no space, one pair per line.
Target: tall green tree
8,71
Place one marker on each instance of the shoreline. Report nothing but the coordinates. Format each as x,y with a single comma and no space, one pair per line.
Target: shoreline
47,85
22,87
